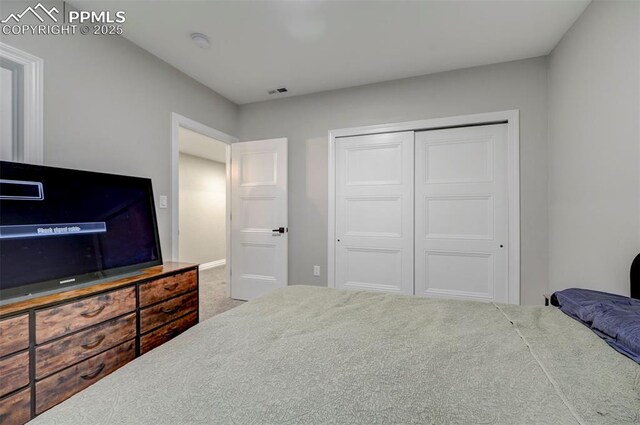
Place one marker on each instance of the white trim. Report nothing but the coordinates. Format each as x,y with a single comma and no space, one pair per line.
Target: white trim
228,215
212,265
33,101
178,121
513,193
513,176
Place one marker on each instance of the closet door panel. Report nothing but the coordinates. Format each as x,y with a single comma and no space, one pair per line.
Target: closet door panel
374,212
461,216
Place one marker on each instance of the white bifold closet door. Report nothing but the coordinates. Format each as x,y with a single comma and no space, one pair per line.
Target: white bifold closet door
374,212
424,213
461,213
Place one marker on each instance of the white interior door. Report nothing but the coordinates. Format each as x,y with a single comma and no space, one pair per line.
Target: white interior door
462,213
259,229
374,212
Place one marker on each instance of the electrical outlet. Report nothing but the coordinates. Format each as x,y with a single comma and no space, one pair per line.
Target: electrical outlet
316,270
164,202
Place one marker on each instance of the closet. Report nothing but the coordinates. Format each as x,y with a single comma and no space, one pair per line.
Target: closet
424,212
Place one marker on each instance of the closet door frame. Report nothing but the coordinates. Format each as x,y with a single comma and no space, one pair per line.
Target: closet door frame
511,118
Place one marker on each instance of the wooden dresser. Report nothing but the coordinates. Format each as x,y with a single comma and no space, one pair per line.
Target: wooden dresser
53,346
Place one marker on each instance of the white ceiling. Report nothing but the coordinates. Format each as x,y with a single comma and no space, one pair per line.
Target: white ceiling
310,46
196,144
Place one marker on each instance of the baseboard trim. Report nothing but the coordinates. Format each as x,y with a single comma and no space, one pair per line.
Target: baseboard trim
213,264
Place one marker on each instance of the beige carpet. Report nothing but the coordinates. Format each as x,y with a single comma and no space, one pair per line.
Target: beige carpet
213,293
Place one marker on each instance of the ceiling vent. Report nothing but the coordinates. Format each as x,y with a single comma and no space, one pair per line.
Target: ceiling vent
280,90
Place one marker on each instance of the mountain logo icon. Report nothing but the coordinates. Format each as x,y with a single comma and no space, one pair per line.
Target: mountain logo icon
38,11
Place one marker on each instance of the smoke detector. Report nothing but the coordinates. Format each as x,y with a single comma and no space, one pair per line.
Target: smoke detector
201,40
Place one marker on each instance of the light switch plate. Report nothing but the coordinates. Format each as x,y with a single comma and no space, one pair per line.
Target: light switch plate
164,202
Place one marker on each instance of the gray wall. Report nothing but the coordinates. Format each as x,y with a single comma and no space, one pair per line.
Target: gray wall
203,193
594,137
6,115
108,107
305,120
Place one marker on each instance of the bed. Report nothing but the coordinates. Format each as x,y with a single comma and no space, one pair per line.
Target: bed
307,355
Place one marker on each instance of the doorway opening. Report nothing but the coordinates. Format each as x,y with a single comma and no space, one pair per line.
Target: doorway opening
201,179
202,200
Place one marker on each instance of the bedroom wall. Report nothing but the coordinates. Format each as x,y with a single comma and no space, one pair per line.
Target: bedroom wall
6,111
594,139
108,104
306,120
203,196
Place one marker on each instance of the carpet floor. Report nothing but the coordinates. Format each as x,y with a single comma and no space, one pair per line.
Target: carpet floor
213,293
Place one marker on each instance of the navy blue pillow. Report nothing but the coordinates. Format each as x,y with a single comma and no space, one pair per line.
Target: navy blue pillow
615,318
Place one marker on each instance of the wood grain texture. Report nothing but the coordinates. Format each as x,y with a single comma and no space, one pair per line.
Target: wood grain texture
168,287
62,385
14,373
16,409
70,317
163,313
14,334
45,300
158,337
72,349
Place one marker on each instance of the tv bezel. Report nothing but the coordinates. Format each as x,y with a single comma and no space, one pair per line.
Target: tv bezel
68,282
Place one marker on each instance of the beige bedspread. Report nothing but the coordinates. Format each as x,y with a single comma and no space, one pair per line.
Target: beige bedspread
305,355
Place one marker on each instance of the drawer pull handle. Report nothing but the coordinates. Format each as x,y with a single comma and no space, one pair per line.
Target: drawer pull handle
171,287
93,374
94,343
93,313
170,310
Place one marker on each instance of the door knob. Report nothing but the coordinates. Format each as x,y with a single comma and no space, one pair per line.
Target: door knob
280,230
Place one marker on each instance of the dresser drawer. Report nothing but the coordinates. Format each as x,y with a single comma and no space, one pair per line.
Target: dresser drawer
16,409
158,337
62,385
14,373
66,318
14,334
72,349
160,314
167,287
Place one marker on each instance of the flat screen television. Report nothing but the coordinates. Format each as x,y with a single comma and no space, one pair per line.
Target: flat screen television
61,227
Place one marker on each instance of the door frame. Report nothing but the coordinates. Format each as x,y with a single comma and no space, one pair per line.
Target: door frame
511,118
32,107
178,121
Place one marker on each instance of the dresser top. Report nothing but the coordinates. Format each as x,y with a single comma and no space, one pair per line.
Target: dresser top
145,274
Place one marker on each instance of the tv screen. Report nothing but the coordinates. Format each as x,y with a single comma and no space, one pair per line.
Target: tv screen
61,227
